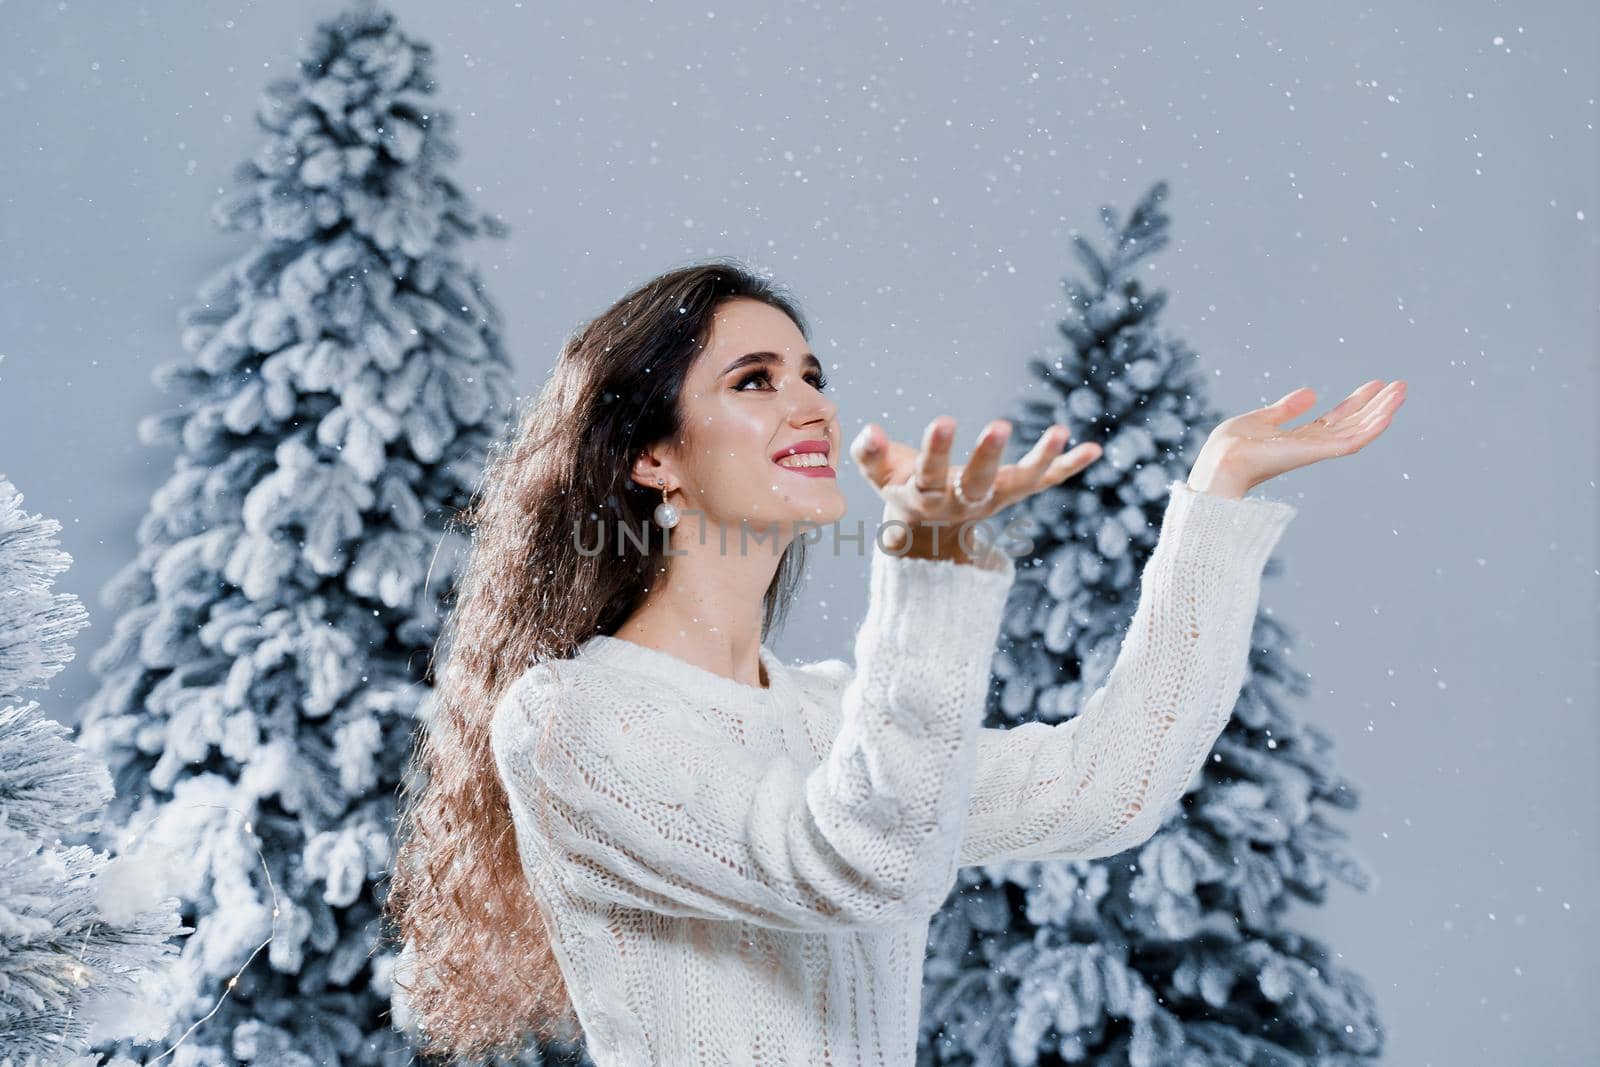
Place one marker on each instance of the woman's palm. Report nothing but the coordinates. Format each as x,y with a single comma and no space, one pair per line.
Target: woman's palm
1250,448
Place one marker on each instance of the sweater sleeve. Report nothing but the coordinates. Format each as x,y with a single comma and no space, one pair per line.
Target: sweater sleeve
643,806
1104,781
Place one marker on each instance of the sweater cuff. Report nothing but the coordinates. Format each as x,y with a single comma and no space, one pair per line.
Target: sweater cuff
939,605
1251,526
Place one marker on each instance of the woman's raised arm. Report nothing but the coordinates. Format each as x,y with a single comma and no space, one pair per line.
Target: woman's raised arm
1104,780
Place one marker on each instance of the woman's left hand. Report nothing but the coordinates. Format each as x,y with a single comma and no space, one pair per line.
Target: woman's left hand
1246,450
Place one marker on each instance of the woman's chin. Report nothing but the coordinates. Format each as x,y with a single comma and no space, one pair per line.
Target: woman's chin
830,515
829,511
820,513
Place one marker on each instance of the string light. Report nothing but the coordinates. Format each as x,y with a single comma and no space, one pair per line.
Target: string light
249,828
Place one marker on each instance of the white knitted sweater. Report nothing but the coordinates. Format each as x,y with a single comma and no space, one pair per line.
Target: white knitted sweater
745,875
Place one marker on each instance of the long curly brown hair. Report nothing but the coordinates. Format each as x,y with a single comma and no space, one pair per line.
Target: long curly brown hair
477,973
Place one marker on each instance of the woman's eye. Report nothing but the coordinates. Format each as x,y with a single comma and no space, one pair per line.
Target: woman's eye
818,381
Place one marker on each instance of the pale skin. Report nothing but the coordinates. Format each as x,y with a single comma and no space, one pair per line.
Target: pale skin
721,475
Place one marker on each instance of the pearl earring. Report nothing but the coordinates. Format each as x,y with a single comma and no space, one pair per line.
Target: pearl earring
666,515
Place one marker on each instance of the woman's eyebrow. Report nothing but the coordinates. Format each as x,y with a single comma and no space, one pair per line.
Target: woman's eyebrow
763,358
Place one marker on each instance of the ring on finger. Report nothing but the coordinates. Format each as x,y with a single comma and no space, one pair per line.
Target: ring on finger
962,497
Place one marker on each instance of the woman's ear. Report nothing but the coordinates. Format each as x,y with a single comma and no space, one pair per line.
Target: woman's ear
648,469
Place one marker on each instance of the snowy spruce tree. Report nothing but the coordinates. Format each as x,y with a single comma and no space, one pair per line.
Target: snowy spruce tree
1175,953
83,936
269,663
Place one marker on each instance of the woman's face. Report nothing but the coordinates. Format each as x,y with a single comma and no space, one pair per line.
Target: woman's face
754,393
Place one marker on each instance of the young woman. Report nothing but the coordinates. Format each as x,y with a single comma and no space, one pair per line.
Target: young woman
639,824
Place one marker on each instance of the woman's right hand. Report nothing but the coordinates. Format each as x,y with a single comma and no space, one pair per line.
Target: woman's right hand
920,487
1246,450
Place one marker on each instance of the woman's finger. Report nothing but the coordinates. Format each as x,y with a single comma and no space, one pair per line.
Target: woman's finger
932,467
1033,471
1067,464
977,475
1293,404
871,451
1075,461
1353,405
1353,431
1383,406
1032,466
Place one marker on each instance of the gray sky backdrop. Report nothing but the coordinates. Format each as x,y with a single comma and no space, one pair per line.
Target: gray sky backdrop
1399,191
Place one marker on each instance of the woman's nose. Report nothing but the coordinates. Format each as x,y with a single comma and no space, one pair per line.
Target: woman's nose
817,409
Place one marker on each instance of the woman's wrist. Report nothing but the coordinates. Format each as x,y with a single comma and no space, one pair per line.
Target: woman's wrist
1218,474
1213,477
938,541
1213,488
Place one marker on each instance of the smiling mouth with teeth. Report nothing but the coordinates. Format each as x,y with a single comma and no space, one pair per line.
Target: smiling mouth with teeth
804,459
